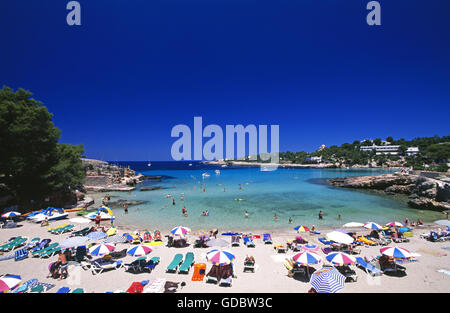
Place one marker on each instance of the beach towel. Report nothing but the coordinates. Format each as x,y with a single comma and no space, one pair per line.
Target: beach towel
445,272
156,286
20,254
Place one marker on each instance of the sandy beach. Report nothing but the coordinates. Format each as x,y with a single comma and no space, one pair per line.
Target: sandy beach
270,275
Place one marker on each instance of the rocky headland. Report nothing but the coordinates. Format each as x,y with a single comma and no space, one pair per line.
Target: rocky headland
423,192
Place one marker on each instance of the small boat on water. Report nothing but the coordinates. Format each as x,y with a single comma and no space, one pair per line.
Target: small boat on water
51,214
190,164
206,175
217,172
149,164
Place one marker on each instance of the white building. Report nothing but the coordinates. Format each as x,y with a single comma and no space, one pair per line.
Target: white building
388,149
412,151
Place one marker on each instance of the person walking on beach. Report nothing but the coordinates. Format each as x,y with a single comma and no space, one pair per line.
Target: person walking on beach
320,215
125,208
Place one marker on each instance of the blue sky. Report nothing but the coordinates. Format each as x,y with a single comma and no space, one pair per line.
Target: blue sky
134,69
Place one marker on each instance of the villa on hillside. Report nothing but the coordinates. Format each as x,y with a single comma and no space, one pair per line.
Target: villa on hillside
389,149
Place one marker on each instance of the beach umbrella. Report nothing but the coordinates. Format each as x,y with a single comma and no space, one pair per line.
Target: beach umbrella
301,228
101,249
217,243
443,222
73,242
310,247
327,280
220,257
340,258
8,282
342,230
396,252
139,250
395,224
339,237
371,225
180,231
306,257
353,224
10,214
97,235
115,239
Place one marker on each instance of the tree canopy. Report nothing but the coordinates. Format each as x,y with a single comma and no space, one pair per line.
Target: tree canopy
33,165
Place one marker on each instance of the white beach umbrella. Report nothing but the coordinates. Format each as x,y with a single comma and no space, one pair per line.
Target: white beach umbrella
353,224
339,237
73,242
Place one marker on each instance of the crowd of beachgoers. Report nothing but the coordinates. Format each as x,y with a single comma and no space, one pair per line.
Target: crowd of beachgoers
80,254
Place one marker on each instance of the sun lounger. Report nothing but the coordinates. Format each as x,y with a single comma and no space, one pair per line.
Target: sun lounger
63,290
137,266
173,266
156,286
50,229
267,238
249,265
15,243
367,267
248,242
20,254
63,230
78,290
199,272
23,288
38,287
280,248
151,264
99,267
293,269
118,254
82,232
41,245
226,281
235,241
366,241
187,263
6,246
350,275
325,241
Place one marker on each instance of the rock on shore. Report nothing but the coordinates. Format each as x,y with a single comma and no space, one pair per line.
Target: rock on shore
424,193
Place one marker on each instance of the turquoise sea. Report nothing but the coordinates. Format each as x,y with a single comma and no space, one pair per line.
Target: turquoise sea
296,193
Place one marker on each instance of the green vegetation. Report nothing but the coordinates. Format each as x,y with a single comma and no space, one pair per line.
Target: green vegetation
434,153
33,165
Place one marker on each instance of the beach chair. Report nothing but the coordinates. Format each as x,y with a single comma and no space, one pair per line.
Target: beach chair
7,246
249,242
78,290
213,274
226,282
366,241
63,290
137,266
147,237
83,232
187,263
119,254
98,267
23,288
37,253
15,243
249,265
32,243
50,252
367,267
267,238
50,229
300,240
325,241
38,287
176,261
63,230
41,245
151,264
280,248
235,241
199,272
350,275
293,269
20,254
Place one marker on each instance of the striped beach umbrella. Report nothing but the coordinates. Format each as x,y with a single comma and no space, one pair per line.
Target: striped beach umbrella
101,249
306,257
310,247
396,252
8,282
10,214
180,231
220,257
371,225
327,280
301,228
340,258
395,224
139,250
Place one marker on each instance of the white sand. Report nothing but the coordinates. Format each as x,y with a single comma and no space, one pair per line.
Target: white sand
270,275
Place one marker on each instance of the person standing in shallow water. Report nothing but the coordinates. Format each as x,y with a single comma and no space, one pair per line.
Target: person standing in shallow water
320,215
246,214
290,220
125,208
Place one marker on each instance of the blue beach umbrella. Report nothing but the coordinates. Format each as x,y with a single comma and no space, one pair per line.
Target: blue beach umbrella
371,225
97,235
101,249
327,280
10,214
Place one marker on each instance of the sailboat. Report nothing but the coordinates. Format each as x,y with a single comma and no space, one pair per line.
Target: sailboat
149,164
